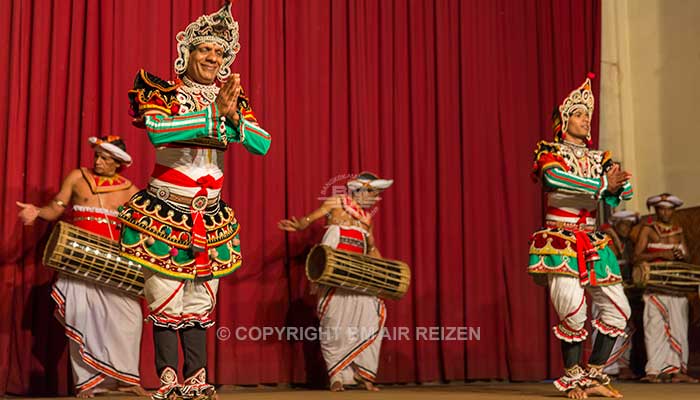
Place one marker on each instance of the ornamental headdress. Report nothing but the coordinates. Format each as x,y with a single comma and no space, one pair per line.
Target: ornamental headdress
366,180
114,145
219,28
626,215
580,98
664,200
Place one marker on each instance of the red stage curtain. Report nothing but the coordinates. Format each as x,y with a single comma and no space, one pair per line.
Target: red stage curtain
446,97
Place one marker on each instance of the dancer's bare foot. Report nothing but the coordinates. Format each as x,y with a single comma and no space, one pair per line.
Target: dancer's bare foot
370,386
626,374
576,393
86,394
682,378
604,391
651,378
134,389
337,386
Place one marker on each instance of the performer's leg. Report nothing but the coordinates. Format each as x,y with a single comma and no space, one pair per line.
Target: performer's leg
612,367
602,347
596,363
350,322
569,301
164,297
194,347
86,378
366,364
165,341
610,324
199,299
656,340
571,353
678,322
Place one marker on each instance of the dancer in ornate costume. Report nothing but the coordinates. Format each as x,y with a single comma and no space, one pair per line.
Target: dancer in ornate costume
665,313
569,254
179,229
350,358
103,326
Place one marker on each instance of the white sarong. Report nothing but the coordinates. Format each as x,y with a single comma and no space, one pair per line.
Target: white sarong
351,328
666,333
104,328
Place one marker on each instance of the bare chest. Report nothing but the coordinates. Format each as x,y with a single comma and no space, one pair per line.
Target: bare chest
655,237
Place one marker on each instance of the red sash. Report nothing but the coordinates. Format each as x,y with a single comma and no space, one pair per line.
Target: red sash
586,254
200,246
99,223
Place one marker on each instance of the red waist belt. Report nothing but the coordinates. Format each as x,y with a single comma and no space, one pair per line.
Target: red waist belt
200,246
98,223
351,240
653,250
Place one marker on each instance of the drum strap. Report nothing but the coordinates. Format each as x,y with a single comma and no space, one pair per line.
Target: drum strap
99,200
355,211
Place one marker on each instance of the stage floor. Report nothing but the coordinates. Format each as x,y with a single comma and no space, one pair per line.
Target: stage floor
637,391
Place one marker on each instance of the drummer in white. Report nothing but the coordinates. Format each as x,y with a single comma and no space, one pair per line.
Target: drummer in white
350,357
103,326
665,314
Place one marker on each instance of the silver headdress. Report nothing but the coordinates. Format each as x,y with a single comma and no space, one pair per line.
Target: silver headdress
579,98
219,28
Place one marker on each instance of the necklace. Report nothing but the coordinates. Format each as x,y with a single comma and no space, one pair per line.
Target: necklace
579,150
195,96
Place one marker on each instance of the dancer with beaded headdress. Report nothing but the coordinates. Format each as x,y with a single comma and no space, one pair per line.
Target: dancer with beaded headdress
569,254
179,229
103,326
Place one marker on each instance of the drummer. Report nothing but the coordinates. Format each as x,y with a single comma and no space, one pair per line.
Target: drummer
665,314
103,326
351,323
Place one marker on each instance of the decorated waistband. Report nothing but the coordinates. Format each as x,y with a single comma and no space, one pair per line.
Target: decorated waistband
103,223
571,219
656,247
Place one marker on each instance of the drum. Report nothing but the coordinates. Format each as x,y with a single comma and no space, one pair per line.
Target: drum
672,277
358,272
84,255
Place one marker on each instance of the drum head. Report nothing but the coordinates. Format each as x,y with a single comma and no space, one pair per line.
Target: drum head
316,263
640,274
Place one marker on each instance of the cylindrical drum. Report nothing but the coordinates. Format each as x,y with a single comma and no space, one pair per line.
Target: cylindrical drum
358,272
84,255
672,277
